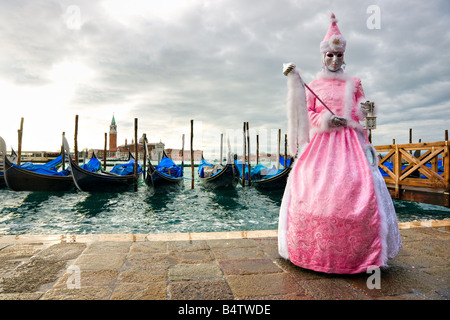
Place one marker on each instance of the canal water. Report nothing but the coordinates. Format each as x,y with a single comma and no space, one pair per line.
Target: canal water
187,210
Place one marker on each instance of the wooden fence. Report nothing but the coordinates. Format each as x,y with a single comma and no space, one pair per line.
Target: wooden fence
417,171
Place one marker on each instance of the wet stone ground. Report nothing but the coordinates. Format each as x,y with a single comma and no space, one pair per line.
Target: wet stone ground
134,267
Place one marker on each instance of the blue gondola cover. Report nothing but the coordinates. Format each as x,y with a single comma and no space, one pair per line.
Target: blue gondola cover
167,166
126,168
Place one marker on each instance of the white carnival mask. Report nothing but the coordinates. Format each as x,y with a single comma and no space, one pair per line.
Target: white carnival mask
333,60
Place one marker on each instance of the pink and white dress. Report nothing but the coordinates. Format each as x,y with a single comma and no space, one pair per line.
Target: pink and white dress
336,215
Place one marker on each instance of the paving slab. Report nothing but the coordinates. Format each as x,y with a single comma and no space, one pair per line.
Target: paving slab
215,289
194,272
249,266
100,261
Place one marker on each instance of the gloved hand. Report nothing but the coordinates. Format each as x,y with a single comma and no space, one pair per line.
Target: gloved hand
288,67
336,121
367,107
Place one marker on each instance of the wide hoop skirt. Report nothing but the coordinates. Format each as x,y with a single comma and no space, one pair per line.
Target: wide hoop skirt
337,219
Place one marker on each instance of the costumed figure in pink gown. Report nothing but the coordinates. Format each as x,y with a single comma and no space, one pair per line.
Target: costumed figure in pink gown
336,214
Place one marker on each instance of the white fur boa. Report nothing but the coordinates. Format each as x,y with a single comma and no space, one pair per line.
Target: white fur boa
297,113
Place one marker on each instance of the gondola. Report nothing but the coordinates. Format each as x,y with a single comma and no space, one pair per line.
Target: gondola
2,176
101,181
93,164
2,180
275,182
20,179
166,176
218,177
267,179
12,158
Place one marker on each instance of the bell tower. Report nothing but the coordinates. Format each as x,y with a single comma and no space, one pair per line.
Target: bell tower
113,135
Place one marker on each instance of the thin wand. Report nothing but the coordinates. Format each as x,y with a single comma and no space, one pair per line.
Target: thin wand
318,98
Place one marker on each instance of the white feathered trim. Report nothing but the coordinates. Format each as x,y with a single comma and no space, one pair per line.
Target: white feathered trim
325,73
336,43
297,113
283,249
298,139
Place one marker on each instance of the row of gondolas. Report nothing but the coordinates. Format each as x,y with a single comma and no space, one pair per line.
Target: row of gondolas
165,177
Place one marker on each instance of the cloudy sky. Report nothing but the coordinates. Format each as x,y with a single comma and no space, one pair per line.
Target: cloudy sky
217,62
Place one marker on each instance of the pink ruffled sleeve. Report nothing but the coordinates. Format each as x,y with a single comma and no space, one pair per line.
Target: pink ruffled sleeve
314,116
357,113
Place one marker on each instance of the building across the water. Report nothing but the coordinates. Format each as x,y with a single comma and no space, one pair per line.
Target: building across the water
155,149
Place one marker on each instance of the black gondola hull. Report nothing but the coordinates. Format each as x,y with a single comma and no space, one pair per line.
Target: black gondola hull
228,178
158,181
2,181
100,182
18,179
277,182
88,181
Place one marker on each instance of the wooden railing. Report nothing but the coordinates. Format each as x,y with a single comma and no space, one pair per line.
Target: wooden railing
422,169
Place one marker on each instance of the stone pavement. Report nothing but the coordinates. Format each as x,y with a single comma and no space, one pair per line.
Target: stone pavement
210,266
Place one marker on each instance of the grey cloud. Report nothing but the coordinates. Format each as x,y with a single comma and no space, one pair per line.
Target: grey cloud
220,62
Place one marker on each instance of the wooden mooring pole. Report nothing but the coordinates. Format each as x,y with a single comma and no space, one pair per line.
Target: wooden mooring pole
257,149
63,152
75,146
20,135
104,152
285,150
144,136
192,154
249,153
136,142
243,157
182,152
